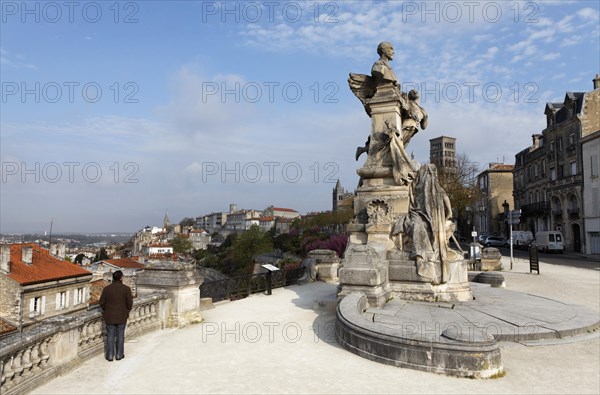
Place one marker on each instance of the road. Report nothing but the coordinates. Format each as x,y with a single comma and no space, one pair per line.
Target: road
565,259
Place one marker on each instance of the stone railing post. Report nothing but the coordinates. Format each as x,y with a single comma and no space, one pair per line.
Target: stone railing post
326,265
181,282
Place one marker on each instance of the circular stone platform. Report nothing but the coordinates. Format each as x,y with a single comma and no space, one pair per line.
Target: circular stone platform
455,338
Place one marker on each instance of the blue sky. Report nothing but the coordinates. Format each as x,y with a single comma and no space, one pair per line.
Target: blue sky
113,112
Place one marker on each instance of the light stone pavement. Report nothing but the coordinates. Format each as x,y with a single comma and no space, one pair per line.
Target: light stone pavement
284,343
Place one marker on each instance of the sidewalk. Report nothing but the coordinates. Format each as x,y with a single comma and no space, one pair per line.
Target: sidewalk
284,343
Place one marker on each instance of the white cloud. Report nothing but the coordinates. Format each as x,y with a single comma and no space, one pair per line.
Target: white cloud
551,56
588,13
16,62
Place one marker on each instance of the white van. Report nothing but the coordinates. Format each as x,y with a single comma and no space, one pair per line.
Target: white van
550,240
521,238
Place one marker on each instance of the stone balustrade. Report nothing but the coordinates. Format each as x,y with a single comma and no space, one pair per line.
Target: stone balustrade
60,343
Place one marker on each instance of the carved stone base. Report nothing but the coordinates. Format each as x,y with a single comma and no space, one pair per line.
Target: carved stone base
373,276
406,283
449,292
376,296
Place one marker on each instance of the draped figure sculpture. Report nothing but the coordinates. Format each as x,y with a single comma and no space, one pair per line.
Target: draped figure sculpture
428,226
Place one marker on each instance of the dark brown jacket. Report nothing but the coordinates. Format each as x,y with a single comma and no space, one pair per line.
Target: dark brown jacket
116,302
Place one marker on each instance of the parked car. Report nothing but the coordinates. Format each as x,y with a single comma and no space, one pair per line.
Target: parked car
495,241
481,238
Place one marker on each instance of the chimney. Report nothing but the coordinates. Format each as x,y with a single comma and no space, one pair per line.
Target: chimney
5,259
536,140
62,251
27,254
596,82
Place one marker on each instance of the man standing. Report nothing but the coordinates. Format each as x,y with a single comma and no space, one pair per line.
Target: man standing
116,302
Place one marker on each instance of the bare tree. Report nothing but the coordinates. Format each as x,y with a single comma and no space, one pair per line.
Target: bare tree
460,184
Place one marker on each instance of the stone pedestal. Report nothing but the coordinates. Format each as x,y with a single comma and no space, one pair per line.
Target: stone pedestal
365,272
374,263
491,259
182,283
326,265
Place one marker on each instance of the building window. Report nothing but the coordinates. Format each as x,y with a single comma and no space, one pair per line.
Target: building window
559,144
552,146
594,166
553,174
573,168
572,139
62,300
37,306
543,167
78,296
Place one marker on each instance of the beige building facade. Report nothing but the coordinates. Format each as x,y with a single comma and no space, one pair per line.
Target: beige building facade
590,153
495,186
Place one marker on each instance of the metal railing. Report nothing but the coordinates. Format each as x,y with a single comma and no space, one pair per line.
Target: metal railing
239,287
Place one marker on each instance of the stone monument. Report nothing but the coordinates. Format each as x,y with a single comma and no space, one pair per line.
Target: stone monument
404,298
398,240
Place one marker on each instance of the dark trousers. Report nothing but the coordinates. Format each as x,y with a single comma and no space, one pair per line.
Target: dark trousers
115,341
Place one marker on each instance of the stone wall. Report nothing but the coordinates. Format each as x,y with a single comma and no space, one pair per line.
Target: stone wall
61,343
590,113
9,299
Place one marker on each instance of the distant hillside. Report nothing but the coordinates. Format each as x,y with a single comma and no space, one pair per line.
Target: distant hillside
71,239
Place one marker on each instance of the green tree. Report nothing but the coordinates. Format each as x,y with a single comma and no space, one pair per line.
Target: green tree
101,255
181,245
287,242
248,246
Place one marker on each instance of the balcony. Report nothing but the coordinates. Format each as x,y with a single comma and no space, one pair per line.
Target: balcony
535,209
557,214
573,212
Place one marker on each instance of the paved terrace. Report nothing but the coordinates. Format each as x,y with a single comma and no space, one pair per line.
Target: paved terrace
284,343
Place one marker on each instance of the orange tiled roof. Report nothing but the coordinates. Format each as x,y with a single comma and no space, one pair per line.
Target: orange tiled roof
44,267
284,209
96,288
127,263
5,327
266,219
